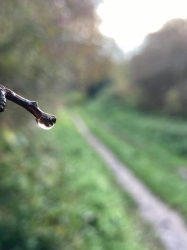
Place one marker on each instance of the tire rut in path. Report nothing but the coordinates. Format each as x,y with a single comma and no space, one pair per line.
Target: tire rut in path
168,224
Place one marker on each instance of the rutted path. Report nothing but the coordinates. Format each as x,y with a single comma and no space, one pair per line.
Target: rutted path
168,223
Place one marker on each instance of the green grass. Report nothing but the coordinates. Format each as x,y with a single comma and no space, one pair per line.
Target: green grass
56,193
154,148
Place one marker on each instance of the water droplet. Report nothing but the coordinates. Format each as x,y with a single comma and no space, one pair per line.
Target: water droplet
46,122
43,126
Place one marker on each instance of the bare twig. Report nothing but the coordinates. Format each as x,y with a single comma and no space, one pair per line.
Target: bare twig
44,119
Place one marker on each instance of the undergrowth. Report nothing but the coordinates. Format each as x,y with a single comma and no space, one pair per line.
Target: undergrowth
57,194
154,147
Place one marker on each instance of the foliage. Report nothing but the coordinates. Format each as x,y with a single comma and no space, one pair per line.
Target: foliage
158,70
154,148
57,194
51,46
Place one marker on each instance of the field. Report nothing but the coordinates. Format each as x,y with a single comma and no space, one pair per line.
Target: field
56,193
154,147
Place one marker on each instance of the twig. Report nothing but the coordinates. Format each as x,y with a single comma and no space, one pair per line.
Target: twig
45,120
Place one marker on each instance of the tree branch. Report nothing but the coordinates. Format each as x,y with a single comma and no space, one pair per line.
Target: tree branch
44,120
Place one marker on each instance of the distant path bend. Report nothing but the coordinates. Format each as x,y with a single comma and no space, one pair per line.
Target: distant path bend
168,223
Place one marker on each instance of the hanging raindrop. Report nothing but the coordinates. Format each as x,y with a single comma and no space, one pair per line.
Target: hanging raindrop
46,121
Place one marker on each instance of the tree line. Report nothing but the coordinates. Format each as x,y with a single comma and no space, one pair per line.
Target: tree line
51,47
158,72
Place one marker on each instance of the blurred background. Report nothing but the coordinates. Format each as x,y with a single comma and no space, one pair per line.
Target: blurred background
123,68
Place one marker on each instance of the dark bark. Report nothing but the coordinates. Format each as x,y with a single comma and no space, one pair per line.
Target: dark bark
42,118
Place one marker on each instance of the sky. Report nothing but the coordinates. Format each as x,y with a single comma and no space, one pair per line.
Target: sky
129,21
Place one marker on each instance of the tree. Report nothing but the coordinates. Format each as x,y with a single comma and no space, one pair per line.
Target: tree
160,67
50,41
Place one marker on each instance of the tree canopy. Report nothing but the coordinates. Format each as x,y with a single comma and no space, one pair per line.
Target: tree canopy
158,71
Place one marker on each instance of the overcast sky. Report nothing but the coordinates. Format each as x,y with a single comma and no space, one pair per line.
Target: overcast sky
129,21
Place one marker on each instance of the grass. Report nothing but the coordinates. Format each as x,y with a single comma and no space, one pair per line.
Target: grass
154,148
56,193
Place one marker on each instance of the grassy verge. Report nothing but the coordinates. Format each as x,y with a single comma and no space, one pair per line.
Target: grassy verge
154,148
57,194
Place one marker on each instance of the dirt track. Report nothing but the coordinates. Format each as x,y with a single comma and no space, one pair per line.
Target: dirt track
167,222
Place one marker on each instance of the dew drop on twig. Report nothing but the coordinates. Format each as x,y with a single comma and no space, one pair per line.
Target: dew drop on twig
46,123
43,126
